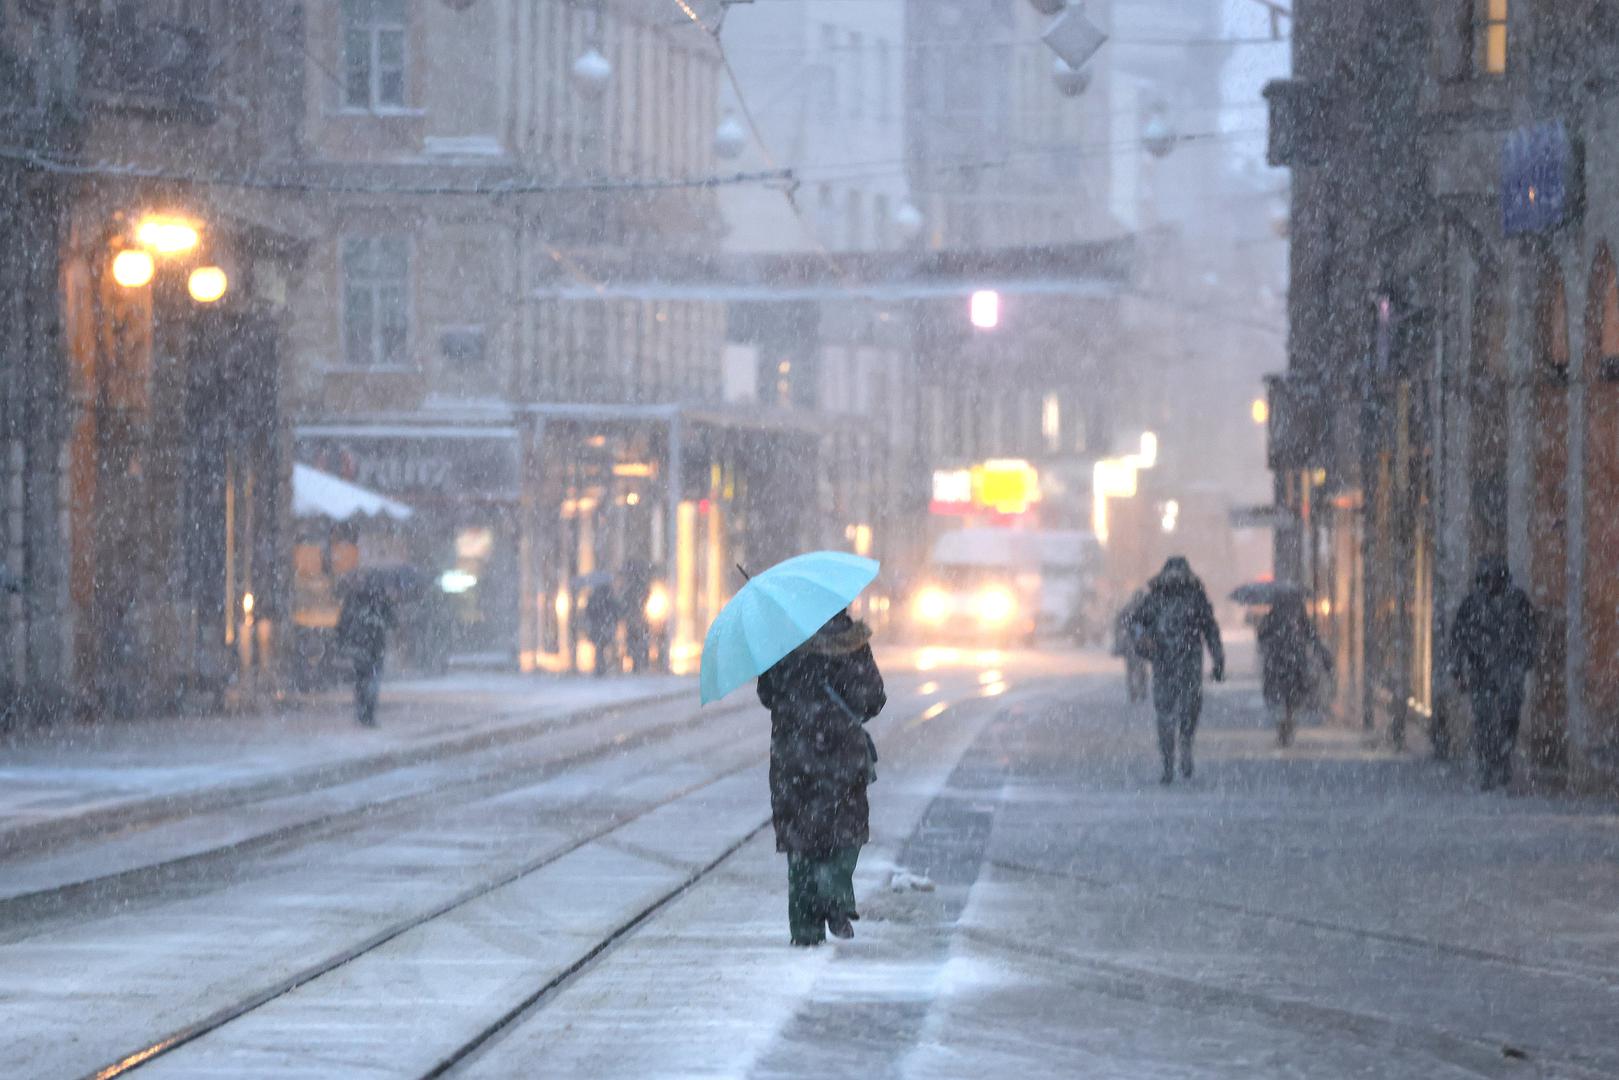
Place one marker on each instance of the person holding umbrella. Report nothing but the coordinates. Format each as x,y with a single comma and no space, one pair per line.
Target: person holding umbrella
789,627
1288,649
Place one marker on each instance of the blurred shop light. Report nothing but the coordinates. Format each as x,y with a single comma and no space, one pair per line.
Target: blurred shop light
1170,516
984,309
1260,411
456,582
634,469
658,604
1115,478
1005,485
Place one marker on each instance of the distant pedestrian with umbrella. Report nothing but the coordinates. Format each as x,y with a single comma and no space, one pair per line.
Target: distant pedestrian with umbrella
363,625
1289,649
789,627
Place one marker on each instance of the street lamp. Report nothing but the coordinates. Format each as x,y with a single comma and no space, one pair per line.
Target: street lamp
166,235
132,268
592,72
1157,136
207,284
730,139
1071,81
908,220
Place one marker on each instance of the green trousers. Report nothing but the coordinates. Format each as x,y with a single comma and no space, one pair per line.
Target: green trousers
818,887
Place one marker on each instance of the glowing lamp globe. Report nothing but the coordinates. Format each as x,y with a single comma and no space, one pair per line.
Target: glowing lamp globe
132,269
207,284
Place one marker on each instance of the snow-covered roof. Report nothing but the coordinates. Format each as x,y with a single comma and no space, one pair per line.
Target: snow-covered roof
320,494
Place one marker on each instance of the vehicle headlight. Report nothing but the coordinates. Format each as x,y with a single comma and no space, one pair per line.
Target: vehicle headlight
996,606
932,605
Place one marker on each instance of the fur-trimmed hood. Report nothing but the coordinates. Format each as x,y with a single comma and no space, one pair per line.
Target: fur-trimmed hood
841,636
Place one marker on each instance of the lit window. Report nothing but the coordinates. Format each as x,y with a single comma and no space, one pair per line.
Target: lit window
376,272
1490,46
374,54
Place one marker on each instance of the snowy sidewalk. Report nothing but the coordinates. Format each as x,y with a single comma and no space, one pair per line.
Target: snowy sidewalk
80,778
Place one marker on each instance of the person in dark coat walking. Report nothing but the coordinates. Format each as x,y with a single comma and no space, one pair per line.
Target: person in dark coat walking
1289,649
363,625
601,625
1171,627
637,577
821,760
1493,644
1124,646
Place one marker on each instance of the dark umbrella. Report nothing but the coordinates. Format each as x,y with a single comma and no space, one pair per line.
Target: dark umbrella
593,579
1264,593
395,579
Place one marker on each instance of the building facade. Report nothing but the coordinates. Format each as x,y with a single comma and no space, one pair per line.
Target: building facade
144,440
1452,306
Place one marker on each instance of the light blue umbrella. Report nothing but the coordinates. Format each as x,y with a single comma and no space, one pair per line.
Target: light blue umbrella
775,613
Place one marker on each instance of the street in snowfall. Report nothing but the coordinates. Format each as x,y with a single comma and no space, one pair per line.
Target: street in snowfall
809,538
587,887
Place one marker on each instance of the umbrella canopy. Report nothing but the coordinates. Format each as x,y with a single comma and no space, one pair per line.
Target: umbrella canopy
1264,593
397,579
775,613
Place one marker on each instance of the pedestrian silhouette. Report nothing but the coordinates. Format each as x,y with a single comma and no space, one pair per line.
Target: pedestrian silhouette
1493,644
1289,652
363,625
1170,628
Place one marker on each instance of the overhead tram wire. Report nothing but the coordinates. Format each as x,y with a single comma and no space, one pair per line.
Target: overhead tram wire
246,181
789,191
890,166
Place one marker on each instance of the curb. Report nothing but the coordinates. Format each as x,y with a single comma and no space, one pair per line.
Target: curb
34,837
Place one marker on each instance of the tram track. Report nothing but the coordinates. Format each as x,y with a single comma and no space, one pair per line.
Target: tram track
120,886
492,1029
129,818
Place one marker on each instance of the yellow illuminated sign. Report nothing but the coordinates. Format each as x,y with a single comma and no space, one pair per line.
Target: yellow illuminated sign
1006,486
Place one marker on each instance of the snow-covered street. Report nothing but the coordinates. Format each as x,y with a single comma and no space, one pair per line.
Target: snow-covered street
599,897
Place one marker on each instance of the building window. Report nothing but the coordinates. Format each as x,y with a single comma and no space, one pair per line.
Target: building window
463,349
829,67
885,103
376,272
374,54
857,75
1490,44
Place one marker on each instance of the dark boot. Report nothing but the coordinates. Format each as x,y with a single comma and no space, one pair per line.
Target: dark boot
1166,750
1186,754
839,926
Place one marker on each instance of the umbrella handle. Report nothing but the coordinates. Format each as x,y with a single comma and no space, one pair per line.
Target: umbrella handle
745,575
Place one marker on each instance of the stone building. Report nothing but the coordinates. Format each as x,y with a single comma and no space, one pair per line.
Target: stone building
1453,314
142,434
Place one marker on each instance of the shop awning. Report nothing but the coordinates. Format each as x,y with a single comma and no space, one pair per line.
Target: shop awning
320,494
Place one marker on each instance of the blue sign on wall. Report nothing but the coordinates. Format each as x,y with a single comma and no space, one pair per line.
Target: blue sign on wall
1536,180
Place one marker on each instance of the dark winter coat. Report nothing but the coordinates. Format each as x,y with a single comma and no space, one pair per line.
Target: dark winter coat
1496,636
364,623
819,753
1171,627
602,613
1289,649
